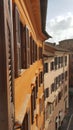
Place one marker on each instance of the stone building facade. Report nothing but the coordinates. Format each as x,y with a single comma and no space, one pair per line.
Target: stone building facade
56,86
68,44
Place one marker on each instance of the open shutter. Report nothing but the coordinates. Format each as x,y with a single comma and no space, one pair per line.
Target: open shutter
17,41
31,50
32,107
29,123
23,47
10,63
28,47
35,51
6,67
25,123
36,86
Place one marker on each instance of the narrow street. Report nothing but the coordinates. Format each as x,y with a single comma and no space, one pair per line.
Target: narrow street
68,121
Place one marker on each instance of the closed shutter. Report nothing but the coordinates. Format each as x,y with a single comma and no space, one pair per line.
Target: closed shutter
6,68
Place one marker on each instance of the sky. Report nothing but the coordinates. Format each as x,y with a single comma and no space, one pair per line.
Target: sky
59,22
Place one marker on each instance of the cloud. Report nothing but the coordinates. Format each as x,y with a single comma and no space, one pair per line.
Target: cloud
61,27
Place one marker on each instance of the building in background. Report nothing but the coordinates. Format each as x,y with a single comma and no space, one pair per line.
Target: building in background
68,44
56,85
22,33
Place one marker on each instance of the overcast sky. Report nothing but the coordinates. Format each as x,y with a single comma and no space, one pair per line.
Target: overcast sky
60,19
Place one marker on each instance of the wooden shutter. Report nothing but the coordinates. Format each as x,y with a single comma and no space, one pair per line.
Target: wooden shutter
28,47
36,86
32,107
35,51
41,77
17,41
29,123
40,52
23,47
6,67
39,80
25,123
31,50
34,89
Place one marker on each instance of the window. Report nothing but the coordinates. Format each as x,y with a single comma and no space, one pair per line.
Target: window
35,51
40,52
62,77
25,48
62,61
41,77
36,86
56,101
31,50
47,111
33,104
37,120
65,60
66,104
46,93
52,87
17,42
21,44
65,89
59,96
66,75
26,122
56,82
45,67
52,66
59,79
56,62
41,103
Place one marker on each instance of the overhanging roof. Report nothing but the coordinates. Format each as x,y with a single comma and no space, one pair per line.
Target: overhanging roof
43,8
